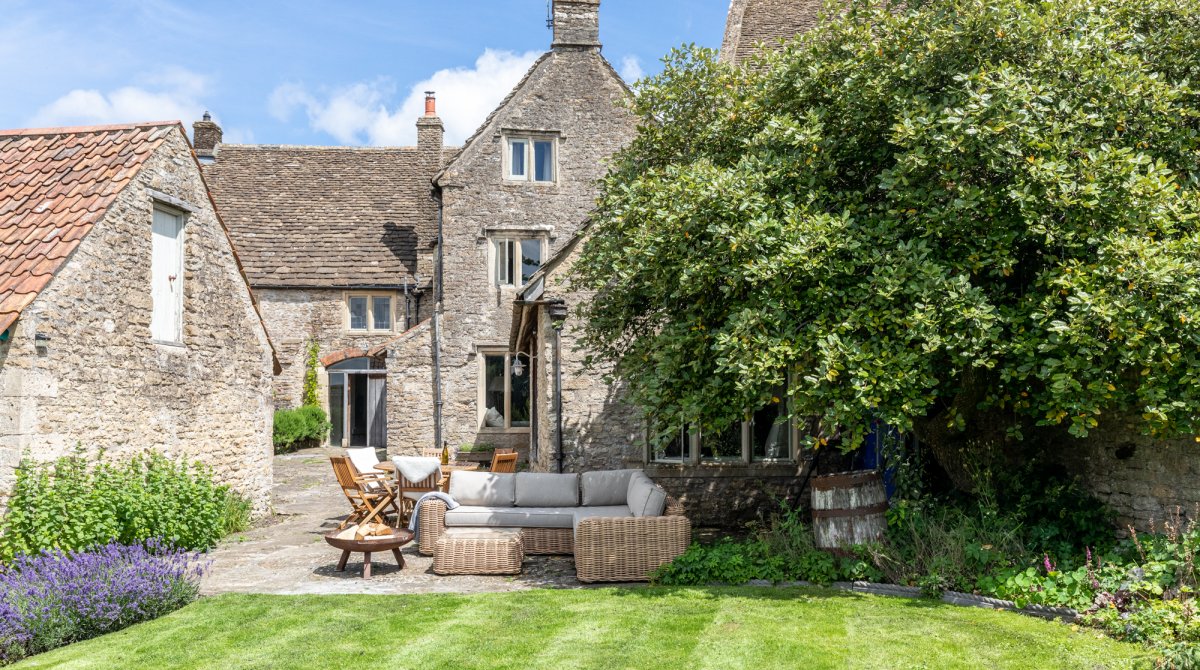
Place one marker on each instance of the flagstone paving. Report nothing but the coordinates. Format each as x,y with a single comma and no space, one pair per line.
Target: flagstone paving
286,553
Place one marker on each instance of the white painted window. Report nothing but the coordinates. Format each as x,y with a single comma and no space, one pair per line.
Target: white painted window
532,159
504,391
370,312
516,259
166,276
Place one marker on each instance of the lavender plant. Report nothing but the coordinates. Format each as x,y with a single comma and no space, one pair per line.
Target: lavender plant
56,598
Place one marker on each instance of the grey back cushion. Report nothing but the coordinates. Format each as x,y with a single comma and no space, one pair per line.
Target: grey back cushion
603,488
483,488
645,498
538,489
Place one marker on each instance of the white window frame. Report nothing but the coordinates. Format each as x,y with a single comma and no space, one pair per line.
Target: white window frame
370,296
530,141
177,306
514,261
482,354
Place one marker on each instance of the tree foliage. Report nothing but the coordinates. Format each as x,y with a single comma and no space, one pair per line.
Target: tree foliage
930,214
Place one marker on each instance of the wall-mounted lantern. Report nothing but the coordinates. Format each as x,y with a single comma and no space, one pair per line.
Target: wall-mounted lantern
41,342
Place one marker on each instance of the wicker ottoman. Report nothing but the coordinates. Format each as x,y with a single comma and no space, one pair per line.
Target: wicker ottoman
478,551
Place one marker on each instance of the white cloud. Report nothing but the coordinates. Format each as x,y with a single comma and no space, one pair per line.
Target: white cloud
170,95
631,69
361,114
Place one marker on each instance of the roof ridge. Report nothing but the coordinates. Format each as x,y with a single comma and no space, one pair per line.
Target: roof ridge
76,130
319,147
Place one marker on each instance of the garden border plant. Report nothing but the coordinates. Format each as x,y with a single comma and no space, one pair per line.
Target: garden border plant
77,502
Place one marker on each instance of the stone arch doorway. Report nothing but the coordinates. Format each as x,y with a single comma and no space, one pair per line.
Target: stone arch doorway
358,403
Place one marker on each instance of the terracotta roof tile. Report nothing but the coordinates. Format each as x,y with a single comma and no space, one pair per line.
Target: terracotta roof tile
55,183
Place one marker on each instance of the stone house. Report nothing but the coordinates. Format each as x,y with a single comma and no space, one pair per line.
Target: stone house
338,247
125,321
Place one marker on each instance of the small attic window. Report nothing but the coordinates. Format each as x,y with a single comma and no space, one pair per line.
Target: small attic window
531,158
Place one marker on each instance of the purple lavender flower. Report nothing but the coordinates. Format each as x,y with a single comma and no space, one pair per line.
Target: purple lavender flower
1047,563
55,598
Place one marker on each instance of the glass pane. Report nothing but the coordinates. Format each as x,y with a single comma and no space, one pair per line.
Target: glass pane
381,312
671,447
531,259
519,384
543,161
517,153
337,400
723,445
358,312
353,364
504,262
770,435
493,391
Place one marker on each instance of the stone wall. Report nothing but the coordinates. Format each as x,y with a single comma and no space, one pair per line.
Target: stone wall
101,384
1143,479
576,96
296,316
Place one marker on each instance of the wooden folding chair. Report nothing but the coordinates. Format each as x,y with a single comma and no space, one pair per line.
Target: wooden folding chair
504,460
369,494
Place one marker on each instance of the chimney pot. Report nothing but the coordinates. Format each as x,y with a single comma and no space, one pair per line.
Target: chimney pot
430,103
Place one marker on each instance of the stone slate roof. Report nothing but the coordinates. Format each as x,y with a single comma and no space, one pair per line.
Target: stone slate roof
752,23
332,217
55,184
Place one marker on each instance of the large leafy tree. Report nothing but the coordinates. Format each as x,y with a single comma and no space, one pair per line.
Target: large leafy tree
967,218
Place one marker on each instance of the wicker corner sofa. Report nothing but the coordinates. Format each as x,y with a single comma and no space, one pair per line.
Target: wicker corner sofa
618,524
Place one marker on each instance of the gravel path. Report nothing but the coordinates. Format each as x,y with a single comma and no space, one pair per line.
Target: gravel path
286,554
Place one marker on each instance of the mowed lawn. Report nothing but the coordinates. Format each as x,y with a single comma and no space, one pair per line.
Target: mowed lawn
592,628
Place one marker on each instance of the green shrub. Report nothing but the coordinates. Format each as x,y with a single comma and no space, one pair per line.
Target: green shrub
781,549
76,503
296,428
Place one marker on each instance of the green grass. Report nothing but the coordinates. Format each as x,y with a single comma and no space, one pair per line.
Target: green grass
641,628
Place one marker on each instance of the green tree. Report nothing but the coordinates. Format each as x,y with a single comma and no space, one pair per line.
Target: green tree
970,219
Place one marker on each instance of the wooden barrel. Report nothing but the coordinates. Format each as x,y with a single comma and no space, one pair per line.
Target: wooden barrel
848,508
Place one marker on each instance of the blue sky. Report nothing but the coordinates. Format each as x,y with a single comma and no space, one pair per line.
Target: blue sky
303,72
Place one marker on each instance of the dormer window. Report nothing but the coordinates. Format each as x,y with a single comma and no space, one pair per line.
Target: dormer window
530,159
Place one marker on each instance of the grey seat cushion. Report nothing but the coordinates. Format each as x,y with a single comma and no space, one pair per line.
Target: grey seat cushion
537,489
511,517
483,488
605,487
605,512
645,497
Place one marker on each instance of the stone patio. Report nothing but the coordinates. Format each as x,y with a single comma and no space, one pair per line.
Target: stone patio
286,553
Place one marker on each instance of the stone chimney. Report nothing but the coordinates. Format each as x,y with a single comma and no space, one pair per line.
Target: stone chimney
429,134
206,135
576,24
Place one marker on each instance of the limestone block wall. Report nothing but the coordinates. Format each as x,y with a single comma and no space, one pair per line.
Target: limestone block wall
295,316
101,384
1142,478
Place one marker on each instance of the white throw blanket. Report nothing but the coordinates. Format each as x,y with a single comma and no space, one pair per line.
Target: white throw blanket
417,469
413,524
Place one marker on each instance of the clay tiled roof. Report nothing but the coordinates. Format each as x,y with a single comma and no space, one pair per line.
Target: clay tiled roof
324,216
752,23
55,184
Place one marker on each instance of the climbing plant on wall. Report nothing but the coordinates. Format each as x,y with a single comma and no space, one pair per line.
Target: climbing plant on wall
308,397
